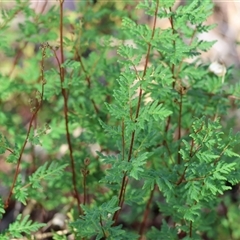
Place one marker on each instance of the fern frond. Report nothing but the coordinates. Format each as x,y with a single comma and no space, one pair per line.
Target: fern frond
21,227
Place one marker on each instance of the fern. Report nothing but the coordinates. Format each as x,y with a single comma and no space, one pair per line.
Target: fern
21,226
102,227
44,172
116,123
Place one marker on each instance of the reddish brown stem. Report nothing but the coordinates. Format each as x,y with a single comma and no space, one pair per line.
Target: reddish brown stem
102,226
88,81
121,198
182,177
179,127
174,45
20,158
123,140
190,229
125,179
38,106
146,213
84,186
168,124
16,58
65,98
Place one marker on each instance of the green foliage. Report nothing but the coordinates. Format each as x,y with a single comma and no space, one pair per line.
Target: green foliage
20,226
116,124
97,222
165,233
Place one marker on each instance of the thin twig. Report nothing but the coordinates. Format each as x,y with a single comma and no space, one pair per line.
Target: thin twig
65,98
146,213
190,229
125,179
88,79
38,106
180,126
